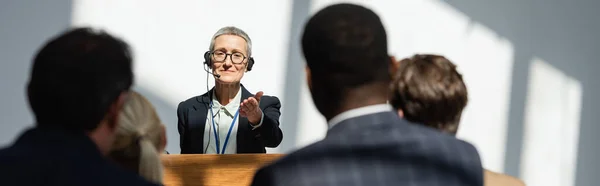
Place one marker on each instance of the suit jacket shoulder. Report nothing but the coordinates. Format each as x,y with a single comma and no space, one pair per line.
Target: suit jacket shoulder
265,101
270,101
193,101
378,149
57,158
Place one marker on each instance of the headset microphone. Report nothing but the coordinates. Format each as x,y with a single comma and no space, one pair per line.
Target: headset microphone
208,63
214,74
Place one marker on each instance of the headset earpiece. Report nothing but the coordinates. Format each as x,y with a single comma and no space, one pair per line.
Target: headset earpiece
250,64
207,60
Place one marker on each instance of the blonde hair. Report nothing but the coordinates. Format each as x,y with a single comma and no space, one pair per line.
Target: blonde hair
139,138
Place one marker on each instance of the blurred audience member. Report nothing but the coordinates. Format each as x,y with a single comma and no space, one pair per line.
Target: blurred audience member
141,138
78,84
345,47
428,90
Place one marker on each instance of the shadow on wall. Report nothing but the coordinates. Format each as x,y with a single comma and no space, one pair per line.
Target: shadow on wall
25,26
167,114
565,35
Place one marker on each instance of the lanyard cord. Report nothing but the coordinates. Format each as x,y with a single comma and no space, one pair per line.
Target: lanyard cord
216,133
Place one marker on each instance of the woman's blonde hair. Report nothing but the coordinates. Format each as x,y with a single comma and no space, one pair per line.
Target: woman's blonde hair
139,138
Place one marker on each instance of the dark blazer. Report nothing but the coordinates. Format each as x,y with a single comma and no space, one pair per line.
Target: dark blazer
191,116
61,158
378,149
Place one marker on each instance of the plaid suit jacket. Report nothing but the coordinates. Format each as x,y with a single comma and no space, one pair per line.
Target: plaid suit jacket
378,149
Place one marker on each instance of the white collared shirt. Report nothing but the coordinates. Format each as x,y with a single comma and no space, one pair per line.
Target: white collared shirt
223,117
361,111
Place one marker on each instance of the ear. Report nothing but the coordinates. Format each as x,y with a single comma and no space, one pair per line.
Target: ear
308,77
400,113
394,65
115,110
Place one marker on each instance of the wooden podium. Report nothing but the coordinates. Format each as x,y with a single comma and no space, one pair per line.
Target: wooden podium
213,170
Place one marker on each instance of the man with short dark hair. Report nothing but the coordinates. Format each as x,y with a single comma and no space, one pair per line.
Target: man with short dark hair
79,82
428,90
348,73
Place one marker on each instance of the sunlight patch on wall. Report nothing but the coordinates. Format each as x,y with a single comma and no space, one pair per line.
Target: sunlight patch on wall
551,131
486,64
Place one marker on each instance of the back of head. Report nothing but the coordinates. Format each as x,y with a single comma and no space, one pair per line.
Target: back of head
428,90
76,77
345,47
139,138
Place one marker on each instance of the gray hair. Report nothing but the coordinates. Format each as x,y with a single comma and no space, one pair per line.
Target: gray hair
231,30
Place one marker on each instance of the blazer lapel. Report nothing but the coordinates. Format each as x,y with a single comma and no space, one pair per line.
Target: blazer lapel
201,113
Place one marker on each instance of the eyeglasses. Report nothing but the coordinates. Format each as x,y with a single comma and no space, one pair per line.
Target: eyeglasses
236,57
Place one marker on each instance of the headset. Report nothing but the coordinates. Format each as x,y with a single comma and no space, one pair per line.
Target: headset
208,62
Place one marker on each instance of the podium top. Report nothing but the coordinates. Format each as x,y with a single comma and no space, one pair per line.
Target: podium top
213,169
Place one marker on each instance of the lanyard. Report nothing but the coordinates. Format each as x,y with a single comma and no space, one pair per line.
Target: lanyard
215,129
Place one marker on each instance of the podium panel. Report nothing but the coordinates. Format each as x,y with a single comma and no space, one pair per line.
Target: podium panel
213,170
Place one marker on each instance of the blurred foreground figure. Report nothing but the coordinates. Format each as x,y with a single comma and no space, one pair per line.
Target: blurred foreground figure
348,74
79,82
428,90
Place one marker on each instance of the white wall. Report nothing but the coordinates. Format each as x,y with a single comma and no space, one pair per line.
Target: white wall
24,27
508,52
553,88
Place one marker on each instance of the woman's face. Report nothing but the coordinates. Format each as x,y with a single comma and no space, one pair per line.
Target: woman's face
229,58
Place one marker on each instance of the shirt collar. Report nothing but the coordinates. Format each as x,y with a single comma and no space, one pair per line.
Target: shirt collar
232,106
361,111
